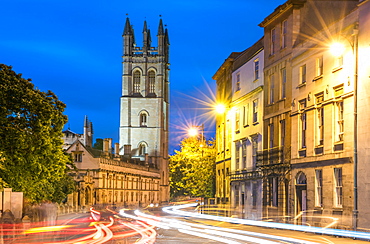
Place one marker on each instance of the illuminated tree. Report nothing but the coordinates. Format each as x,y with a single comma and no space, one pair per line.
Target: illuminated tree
192,169
31,123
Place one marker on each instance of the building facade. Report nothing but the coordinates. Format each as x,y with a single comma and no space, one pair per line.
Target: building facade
223,79
135,172
280,31
314,159
246,129
143,132
103,177
323,126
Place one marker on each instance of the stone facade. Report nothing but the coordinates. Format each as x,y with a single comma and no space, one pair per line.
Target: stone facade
143,132
106,178
314,162
246,129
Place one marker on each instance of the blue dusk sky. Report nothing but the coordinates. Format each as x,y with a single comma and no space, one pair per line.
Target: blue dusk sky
74,49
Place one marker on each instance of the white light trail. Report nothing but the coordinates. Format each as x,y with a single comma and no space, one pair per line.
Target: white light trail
311,229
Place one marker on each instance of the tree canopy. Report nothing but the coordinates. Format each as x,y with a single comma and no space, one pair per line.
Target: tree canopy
31,123
192,169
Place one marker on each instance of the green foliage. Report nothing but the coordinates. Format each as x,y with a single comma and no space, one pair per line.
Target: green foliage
192,169
98,144
31,124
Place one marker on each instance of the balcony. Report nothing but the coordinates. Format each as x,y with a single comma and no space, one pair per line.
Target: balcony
243,175
273,161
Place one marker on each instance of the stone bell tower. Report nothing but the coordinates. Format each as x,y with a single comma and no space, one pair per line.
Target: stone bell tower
143,132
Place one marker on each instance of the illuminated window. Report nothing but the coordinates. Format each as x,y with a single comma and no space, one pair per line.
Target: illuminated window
338,185
151,78
318,188
284,30
302,74
137,81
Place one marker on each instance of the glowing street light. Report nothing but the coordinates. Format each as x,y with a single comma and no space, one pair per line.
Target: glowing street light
220,108
337,49
193,132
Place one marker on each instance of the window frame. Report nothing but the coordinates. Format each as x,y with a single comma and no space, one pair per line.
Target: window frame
303,74
338,187
284,31
318,187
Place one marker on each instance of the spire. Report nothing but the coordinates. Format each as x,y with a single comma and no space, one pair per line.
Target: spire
145,29
160,28
149,41
146,37
167,39
86,121
128,28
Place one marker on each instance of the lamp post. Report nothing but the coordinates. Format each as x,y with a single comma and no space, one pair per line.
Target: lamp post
221,109
338,49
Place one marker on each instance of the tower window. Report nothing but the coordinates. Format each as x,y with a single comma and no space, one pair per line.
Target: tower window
143,119
137,82
151,77
142,149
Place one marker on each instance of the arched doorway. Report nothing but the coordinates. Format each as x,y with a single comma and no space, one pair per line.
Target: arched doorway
87,196
301,198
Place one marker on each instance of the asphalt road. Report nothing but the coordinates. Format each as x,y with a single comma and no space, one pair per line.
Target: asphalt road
187,230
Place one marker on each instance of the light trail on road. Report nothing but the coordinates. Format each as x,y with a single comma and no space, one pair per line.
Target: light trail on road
311,229
222,235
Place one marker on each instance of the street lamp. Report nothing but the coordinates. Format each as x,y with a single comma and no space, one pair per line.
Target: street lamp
337,50
221,109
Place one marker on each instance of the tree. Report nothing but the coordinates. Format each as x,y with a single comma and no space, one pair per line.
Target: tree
31,123
98,144
192,169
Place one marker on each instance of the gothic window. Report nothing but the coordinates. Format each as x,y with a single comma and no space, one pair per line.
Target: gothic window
143,119
137,81
151,77
142,149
